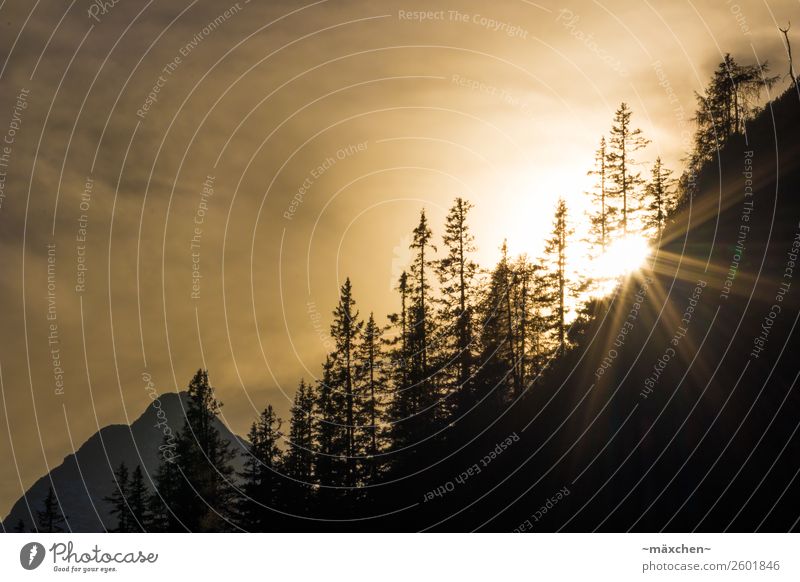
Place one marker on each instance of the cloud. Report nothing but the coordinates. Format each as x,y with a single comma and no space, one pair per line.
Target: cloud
259,100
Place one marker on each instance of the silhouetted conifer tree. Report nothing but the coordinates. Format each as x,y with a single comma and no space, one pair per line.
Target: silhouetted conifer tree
119,501
50,519
195,489
300,453
621,163
456,271
330,466
556,257
163,501
497,374
421,385
402,402
530,296
729,101
602,213
260,477
137,501
659,198
346,332
371,378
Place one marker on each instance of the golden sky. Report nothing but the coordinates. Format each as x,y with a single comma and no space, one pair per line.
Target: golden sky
275,148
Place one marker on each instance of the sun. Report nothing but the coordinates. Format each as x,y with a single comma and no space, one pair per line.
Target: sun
621,257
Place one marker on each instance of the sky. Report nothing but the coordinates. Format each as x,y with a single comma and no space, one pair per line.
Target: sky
187,183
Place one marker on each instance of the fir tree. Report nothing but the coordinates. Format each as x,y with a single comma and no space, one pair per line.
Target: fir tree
402,403
659,198
346,331
729,101
601,217
137,501
625,180
330,434
300,454
194,490
372,379
556,254
420,327
50,519
530,295
498,370
456,271
165,498
261,482
119,501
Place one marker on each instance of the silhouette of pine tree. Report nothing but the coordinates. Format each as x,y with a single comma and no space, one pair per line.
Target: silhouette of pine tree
456,272
137,501
625,182
194,488
602,214
50,519
330,464
299,458
300,454
402,402
497,378
119,501
557,277
164,500
372,379
659,198
346,332
261,477
424,394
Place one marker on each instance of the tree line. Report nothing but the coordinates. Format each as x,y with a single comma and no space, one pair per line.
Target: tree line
461,337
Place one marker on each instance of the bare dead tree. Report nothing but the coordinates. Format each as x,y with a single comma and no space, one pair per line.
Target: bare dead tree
785,32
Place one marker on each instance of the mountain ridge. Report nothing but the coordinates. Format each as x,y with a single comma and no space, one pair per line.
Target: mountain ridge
84,478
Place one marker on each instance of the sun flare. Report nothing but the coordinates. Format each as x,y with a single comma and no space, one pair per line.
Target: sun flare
620,258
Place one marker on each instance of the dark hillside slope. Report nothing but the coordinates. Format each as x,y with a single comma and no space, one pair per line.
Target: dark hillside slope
85,478
678,410
692,419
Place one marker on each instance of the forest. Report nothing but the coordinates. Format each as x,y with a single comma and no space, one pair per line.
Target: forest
400,393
